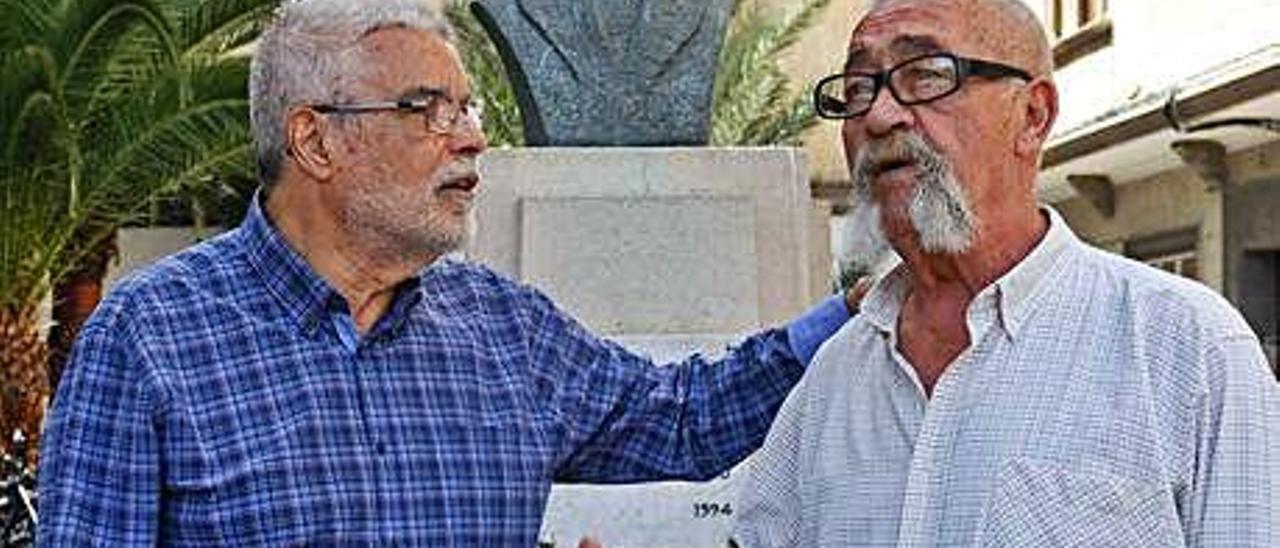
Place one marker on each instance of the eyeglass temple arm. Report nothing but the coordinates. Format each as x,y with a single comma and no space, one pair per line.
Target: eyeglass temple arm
978,67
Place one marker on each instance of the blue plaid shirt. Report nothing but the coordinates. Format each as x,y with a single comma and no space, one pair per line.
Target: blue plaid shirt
212,400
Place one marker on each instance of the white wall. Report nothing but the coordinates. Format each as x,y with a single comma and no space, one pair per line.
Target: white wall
1157,44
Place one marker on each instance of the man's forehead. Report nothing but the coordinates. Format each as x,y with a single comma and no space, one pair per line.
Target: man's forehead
904,28
903,46
402,60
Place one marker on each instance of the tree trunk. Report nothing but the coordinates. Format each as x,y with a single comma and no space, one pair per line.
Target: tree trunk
24,393
74,299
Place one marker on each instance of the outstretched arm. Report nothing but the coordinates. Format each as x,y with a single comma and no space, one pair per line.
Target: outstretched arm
618,417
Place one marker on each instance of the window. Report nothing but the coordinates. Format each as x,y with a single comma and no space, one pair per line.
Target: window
1067,17
1080,27
1183,263
1173,252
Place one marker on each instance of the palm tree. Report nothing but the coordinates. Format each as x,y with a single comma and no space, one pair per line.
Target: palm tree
752,103
105,107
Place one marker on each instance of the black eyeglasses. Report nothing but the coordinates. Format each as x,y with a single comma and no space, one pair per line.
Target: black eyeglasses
443,114
912,82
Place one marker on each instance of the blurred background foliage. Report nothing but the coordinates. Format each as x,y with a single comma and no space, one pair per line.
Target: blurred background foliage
754,103
107,107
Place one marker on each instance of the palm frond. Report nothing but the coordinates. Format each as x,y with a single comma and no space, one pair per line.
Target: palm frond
27,245
27,23
132,65
752,103
215,27
27,105
503,125
782,124
794,26
194,110
99,43
107,106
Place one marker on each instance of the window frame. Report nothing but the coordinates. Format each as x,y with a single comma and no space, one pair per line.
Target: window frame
1084,29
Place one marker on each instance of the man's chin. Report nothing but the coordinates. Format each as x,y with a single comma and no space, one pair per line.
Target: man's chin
457,236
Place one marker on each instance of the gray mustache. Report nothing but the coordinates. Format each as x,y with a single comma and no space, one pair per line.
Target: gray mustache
891,151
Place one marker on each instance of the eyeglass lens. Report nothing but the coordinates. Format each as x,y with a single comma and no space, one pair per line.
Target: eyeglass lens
913,82
446,115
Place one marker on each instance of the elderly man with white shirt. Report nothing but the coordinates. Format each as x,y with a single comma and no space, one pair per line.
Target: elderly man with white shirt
1006,384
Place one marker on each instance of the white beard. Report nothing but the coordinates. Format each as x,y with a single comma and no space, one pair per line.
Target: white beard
939,209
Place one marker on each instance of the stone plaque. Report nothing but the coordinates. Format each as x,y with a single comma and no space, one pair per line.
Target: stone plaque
642,264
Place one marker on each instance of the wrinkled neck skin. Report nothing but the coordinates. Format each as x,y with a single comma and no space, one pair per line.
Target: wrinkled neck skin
933,325
364,273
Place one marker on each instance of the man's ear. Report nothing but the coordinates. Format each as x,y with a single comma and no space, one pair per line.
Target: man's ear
305,133
1040,112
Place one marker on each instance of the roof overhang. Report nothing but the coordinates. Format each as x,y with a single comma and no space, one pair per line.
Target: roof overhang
1134,141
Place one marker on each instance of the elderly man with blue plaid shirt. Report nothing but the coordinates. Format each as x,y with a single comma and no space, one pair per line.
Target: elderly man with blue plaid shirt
1006,384
321,376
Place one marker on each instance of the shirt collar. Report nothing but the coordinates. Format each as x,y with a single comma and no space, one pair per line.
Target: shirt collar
1018,287
1014,291
302,293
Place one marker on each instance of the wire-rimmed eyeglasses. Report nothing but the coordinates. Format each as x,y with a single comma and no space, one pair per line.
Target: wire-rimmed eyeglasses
442,114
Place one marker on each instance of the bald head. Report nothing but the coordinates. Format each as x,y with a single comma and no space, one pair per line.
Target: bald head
1004,29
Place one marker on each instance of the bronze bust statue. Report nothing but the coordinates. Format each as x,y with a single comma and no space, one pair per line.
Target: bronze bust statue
610,72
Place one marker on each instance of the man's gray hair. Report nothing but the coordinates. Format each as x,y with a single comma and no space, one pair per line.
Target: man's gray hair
307,50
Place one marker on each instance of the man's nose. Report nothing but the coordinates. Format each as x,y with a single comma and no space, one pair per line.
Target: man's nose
468,139
886,115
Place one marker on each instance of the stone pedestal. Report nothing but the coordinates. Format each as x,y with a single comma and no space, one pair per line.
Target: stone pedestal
656,240
667,251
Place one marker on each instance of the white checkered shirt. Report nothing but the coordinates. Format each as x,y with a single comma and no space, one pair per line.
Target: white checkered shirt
1101,403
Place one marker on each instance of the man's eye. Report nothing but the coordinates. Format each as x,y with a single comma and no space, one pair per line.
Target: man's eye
859,89
925,75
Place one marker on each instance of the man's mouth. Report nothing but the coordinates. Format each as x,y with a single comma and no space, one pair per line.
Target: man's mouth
896,167
464,183
892,164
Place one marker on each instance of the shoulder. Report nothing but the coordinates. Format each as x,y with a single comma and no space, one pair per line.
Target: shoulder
844,356
1154,297
144,320
157,300
451,282
1180,335
844,342
466,279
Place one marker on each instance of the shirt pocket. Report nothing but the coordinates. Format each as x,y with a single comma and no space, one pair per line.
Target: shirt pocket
1042,504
